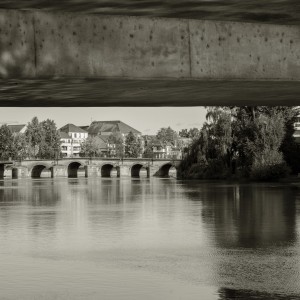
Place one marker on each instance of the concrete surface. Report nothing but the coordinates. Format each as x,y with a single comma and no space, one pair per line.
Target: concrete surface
266,11
62,59
121,92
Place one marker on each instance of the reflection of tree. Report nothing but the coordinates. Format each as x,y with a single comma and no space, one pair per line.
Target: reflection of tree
250,216
253,228
230,294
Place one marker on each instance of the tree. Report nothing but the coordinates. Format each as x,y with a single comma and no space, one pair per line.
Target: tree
133,147
49,147
20,147
90,148
167,135
6,142
193,133
184,133
116,141
34,136
250,140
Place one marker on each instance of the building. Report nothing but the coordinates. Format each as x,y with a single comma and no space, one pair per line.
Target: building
297,130
71,138
106,128
161,151
16,129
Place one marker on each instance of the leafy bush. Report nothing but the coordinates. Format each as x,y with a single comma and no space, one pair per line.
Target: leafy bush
270,172
216,169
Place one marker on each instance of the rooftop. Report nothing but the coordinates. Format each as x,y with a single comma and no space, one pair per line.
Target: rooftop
63,135
16,128
72,128
98,127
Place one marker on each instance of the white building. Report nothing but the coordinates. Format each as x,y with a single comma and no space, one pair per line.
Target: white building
71,139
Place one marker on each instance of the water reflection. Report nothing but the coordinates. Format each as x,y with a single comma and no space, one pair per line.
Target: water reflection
227,241
251,215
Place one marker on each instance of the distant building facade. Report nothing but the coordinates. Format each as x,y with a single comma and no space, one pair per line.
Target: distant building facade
161,151
297,130
71,137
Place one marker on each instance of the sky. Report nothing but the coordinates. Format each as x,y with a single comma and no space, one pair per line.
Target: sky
148,120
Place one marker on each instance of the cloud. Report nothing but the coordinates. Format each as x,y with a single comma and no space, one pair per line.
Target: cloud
178,124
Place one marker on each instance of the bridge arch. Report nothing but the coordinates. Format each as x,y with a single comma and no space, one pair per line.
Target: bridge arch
36,171
167,170
108,168
73,168
137,168
2,168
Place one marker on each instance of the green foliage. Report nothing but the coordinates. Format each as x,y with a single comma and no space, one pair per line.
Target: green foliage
270,172
117,143
167,135
20,147
289,147
34,137
90,148
193,133
50,140
148,151
243,141
6,143
133,146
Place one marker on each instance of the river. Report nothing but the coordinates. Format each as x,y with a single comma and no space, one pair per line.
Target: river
145,238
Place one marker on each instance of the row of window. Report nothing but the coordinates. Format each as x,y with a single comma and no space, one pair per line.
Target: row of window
66,148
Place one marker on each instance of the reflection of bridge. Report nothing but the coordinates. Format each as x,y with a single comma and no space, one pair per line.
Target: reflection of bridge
93,167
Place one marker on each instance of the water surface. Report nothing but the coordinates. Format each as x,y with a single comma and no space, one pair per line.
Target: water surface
148,239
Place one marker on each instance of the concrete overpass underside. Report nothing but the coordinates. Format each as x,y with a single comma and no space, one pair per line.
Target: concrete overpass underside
67,59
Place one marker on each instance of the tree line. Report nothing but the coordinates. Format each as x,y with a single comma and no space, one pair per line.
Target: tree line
244,142
40,140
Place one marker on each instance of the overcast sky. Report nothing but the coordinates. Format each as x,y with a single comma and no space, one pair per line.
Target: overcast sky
145,119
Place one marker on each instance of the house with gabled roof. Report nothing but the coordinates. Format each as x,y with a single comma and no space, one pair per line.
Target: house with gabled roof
16,129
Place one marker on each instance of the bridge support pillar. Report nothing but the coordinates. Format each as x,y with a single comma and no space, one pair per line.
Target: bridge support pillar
20,172
153,170
124,171
59,171
92,171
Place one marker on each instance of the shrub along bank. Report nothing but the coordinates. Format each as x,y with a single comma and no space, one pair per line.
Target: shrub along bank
244,143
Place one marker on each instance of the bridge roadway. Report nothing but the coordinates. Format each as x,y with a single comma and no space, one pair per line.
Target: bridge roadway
72,59
93,167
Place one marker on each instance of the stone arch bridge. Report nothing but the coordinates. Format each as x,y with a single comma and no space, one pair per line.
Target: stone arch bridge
93,167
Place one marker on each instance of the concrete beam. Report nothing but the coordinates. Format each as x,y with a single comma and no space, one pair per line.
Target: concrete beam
125,92
35,45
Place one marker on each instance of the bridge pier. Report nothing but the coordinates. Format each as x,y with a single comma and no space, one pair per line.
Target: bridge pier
59,171
20,172
125,171
153,170
92,171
